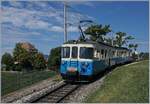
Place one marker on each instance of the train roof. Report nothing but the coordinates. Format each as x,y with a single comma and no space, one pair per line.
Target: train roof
92,42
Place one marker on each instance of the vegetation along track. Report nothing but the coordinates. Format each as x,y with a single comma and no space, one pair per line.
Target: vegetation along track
58,94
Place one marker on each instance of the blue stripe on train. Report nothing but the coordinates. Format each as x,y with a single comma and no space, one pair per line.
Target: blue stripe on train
90,68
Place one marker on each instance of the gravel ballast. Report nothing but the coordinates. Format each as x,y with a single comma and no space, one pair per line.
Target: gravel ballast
28,91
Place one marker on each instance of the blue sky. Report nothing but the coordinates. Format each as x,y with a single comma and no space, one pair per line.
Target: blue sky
41,23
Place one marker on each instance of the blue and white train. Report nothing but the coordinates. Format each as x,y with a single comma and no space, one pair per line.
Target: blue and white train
81,61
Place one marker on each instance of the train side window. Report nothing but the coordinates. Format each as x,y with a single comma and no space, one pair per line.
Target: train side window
98,54
113,53
102,53
117,53
105,53
121,53
110,53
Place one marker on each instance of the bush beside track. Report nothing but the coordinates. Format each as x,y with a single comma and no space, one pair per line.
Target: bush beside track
128,83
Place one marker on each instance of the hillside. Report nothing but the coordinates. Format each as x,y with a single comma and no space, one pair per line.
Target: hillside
126,84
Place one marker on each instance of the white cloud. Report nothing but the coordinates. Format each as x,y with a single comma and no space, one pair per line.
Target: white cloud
61,29
22,17
56,28
34,24
73,29
35,16
33,19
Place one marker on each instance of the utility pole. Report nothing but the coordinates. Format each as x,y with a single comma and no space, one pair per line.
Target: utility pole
65,23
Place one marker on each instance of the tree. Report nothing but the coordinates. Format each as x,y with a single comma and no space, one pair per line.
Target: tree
134,54
144,55
126,40
122,39
39,62
54,58
23,58
7,61
97,32
133,46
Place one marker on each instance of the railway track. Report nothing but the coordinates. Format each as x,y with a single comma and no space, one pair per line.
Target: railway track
58,95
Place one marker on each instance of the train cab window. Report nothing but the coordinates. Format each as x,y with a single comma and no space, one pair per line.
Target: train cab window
65,52
86,53
74,52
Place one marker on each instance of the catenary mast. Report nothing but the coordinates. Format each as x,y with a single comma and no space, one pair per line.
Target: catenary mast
65,22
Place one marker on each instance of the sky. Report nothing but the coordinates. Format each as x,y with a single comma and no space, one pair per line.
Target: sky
41,22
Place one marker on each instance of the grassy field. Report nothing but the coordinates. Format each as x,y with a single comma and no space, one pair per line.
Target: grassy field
11,81
126,84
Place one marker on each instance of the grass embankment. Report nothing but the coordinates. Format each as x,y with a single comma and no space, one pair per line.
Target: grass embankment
11,81
128,83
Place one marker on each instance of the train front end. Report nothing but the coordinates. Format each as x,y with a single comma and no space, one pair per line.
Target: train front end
76,62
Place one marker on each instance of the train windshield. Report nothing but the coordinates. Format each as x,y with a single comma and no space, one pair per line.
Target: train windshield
74,52
65,52
86,53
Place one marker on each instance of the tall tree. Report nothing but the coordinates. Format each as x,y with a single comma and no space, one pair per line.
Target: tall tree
54,58
97,32
122,38
133,46
22,57
7,61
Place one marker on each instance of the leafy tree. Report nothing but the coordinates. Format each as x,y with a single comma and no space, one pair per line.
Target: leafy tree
54,58
39,62
134,54
7,60
23,58
122,38
126,40
97,32
133,46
